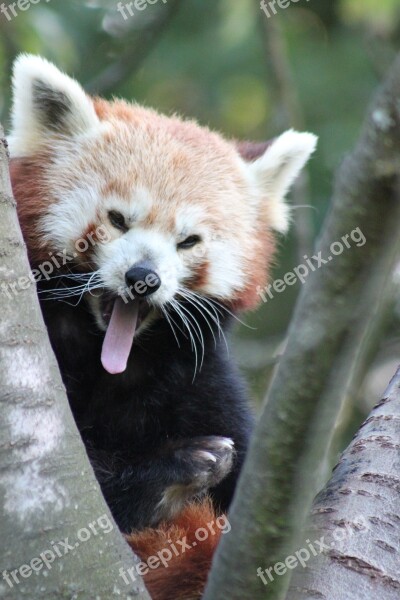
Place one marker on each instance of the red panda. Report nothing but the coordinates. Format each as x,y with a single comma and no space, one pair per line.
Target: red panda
161,231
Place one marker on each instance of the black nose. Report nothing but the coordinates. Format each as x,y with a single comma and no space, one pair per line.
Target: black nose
142,280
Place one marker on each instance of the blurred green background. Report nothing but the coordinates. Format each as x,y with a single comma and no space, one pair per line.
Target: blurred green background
313,65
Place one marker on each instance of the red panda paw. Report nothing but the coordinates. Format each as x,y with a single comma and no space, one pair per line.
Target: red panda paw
212,460
204,462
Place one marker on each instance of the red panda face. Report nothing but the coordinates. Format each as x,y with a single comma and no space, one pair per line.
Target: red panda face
168,196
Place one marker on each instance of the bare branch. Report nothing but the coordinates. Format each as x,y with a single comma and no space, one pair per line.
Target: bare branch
130,60
327,339
48,492
357,514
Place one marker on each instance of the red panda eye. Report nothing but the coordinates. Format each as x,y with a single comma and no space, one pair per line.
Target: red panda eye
189,242
117,220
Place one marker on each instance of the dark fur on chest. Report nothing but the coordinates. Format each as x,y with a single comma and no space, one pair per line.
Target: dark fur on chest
143,429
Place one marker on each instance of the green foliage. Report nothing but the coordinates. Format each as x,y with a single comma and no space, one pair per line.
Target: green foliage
383,15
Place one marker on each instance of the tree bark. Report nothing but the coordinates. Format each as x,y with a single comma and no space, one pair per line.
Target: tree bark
47,487
327,340
358,515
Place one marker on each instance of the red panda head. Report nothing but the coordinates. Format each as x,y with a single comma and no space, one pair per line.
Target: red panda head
145,189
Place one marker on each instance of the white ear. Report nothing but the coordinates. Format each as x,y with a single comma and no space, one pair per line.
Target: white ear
276,170
45,102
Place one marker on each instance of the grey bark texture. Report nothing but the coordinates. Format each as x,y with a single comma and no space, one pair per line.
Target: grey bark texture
339,306
358,516
48,491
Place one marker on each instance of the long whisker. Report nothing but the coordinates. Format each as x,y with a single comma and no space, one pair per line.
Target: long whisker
234,316
197,304
71,275
174,322
199,300
89,283
196,330
186,323
169,321
66,292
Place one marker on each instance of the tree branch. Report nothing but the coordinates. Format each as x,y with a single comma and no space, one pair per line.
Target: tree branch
130,60
47,487
326,341
357,513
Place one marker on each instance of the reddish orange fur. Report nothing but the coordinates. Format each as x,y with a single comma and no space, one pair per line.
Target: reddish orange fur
186,574
31,194
259,267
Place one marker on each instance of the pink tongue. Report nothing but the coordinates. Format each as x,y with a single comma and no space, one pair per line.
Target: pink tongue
119,336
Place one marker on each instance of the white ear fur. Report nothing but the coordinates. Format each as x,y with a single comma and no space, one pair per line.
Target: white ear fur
45,102
276,170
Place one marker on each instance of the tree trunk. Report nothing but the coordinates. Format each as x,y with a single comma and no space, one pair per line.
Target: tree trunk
328,338
358,515
58,537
